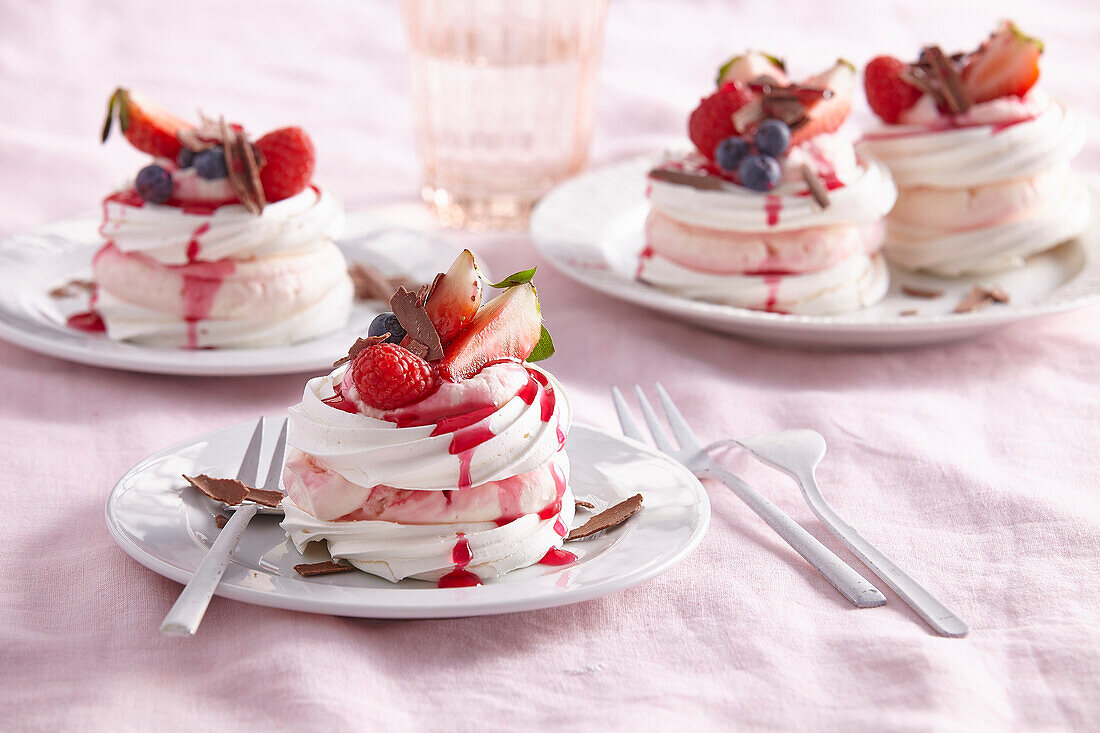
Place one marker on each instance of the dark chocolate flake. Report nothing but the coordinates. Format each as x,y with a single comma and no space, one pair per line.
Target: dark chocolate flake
359,345
608,518
704,183
264,497
817,188
226,490
918,292
414,319
328,567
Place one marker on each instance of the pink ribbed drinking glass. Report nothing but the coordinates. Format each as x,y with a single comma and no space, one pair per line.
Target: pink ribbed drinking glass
503,101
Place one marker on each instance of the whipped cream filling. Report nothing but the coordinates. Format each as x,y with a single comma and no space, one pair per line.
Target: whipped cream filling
492,431
176,235
861,191
427,551
993,142
854,283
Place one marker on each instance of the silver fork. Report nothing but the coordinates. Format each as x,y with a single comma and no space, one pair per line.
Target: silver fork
690,452
187,612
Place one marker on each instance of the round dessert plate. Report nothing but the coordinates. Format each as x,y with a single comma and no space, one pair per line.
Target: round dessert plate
592,229
35,262
168,528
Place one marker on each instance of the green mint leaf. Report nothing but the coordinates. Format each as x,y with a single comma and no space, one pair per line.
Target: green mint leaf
519,278
544,349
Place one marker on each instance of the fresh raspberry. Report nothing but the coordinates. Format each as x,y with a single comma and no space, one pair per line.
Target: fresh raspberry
288,160
712,120
887,93
388,376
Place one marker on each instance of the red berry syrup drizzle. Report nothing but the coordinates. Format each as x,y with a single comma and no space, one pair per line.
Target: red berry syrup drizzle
460,577
772,283
556,557
646,254
772,206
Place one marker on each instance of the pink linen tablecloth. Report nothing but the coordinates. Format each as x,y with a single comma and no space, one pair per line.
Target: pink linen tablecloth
974,465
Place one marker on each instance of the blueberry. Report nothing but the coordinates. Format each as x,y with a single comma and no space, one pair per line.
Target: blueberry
210,163
185,157
387,322
154,184
759,172
729,153
772,137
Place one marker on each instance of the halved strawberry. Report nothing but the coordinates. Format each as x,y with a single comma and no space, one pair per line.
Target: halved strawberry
712,120
751,66
1006,65
288,161
149,127
827,115
455,297
507,327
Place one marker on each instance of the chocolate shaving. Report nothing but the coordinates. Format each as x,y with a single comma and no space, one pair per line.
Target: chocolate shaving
943,70
419,349
264,497
910,312
422,295
748,116
817,187
584,504
703,183
414,319
918,292
226,490
359,345
787,109
608,518
244,171
221,520
73,287
328,567
979,297
370,283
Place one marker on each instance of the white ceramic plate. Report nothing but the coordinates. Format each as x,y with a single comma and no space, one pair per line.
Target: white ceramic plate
168,528
35,262
591,228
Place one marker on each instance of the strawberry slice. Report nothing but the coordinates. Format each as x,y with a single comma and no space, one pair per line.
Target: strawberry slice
455,297
507,327
752,66
827,115
1006,65
149,127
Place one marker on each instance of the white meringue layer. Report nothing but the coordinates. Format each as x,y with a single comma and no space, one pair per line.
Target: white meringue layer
854,283
424,551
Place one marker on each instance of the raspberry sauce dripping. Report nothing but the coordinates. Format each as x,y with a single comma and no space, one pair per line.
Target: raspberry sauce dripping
772,282
340,402
193,247
460,577
88,321
772,206
646,254
557,557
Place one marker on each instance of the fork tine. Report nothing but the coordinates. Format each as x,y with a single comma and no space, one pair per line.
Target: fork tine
675,419
654,425
275,468
630,428
251,461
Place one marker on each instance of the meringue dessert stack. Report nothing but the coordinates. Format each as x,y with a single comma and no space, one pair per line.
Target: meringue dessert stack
219,242
773,209
980,154
436,451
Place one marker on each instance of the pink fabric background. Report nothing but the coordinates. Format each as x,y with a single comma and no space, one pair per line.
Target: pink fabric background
974,466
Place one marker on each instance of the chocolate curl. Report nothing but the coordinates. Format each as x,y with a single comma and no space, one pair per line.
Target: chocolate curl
423,338
817,188
244,170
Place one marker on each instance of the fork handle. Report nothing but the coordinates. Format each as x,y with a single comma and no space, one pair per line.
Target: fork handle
934,613
851,584
190,607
